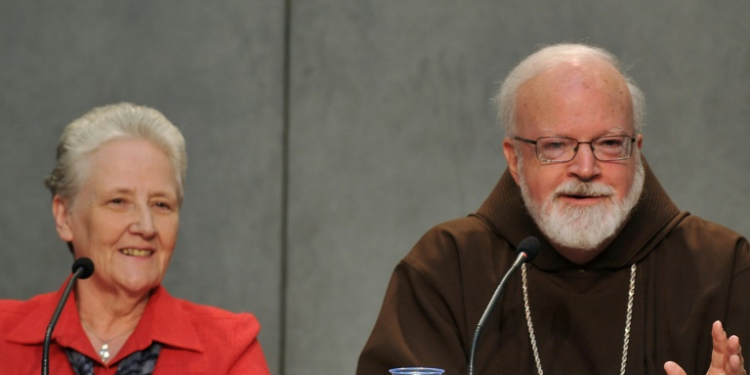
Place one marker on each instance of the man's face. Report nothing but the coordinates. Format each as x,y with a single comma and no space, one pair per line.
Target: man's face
583,101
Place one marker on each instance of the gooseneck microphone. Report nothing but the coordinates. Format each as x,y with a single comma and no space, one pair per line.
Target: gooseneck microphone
82,269
527,251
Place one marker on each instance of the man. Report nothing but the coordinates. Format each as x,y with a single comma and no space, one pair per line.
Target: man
623,281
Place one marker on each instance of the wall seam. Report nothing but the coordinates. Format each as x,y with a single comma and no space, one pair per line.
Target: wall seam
286,79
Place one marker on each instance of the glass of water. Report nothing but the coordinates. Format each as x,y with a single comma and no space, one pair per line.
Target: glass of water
416,371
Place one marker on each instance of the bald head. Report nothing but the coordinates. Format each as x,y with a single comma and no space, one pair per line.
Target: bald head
564,66
569,90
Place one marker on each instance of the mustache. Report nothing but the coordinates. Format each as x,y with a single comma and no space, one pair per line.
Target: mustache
584,189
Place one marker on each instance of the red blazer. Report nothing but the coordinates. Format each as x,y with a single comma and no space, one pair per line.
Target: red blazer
196,339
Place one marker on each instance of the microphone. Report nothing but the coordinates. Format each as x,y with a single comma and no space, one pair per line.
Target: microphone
527,251
82,269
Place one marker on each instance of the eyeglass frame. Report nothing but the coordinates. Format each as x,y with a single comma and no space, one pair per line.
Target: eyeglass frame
575,149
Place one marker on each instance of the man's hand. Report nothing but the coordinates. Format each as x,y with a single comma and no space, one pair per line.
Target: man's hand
726,358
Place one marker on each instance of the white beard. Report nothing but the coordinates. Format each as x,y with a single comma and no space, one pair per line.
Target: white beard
586,227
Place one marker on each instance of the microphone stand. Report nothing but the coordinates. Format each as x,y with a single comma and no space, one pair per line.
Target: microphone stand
527,251
521,259
82,268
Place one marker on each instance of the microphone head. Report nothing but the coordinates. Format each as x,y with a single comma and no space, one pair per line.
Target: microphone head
88,267
529,246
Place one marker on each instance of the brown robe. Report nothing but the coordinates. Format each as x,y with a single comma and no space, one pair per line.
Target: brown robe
690,273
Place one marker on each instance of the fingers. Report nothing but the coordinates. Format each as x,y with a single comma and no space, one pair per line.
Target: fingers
727,353
733,346
726,357
736,366
673,369
736,362
720,354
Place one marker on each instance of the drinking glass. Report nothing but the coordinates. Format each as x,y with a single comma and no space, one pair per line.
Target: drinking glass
416,371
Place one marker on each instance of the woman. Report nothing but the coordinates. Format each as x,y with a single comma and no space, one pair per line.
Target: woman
117,191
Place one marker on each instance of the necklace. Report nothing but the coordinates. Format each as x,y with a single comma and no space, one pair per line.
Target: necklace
527,309
103,352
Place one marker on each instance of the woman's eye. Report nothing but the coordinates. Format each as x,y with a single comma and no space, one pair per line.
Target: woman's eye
163,205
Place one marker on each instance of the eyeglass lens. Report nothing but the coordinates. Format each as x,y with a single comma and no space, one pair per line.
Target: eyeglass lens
564,149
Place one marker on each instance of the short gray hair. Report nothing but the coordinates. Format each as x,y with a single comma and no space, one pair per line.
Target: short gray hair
104,124
549,57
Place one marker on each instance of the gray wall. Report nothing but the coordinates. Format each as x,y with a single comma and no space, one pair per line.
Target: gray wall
305,186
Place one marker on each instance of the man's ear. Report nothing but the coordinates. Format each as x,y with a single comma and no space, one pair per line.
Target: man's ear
61,213
511,157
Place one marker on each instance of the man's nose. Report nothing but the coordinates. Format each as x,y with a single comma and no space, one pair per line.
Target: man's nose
584,164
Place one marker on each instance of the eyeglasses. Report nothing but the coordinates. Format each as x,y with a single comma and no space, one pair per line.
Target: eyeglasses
564,149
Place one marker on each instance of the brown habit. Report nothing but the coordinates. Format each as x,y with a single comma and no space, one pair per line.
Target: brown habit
689,273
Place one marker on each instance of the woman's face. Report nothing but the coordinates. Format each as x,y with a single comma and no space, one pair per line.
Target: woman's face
125,217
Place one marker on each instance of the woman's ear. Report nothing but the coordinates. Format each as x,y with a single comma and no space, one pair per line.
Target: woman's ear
61,213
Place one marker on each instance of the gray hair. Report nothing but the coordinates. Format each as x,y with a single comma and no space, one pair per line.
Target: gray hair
549,57
104,124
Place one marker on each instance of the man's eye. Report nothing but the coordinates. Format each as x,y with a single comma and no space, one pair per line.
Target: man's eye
554,145
611,143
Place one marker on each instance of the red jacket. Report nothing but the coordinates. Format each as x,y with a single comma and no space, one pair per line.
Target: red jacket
196,339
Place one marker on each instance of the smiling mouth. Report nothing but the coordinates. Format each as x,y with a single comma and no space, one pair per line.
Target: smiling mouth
583,199
136,252
583,196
